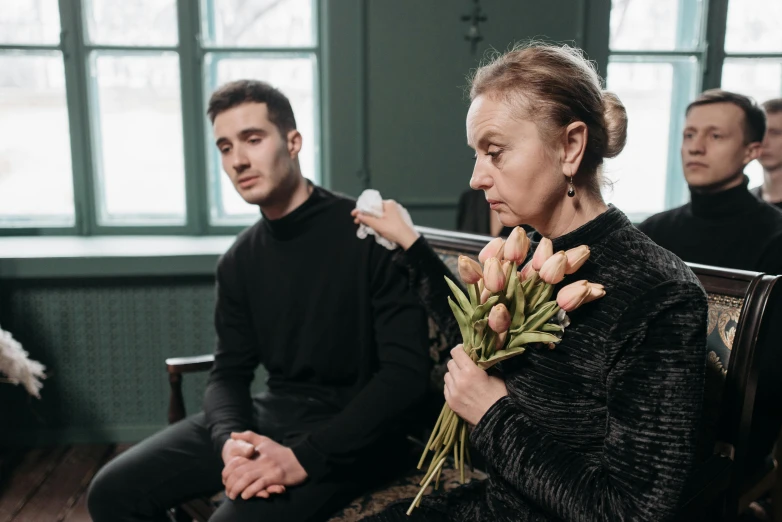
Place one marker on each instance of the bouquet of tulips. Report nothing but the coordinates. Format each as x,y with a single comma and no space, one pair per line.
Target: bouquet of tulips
505,311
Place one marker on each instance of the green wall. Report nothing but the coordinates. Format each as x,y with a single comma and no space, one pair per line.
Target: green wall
398,102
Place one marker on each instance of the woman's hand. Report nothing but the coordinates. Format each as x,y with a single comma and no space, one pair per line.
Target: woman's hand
469,390
391,226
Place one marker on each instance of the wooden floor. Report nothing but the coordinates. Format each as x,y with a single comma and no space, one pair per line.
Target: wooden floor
50,484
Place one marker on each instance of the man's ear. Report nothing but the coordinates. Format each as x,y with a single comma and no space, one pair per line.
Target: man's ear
294,143
752,151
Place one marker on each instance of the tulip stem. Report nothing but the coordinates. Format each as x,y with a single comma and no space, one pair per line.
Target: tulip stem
461,457
418,497
431,437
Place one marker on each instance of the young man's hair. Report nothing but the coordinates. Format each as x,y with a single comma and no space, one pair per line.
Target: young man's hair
773,106
754,117
238,92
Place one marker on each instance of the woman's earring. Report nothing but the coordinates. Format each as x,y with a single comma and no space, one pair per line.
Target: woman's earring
571,191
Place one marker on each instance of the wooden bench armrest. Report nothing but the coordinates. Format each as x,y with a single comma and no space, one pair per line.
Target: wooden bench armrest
176,366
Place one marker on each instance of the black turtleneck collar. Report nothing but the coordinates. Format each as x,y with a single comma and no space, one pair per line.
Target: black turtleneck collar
300,219
591,232
727,203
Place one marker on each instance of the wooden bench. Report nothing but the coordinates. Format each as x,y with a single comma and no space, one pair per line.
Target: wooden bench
737,316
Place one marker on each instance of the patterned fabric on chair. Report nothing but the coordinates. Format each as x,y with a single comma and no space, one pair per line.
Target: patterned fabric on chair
724,312
401,488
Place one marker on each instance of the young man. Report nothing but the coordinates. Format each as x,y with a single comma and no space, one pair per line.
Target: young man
723,224
332,321
771,155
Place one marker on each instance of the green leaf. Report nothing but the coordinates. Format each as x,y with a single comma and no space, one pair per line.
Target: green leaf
533,293
544,296
519,303
514,276
474,297
541,316
552,327
498,356
483,310
491,345
479,329
460,297
532,337
461,319
530,282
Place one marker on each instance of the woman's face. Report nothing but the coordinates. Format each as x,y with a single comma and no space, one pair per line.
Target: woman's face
520,175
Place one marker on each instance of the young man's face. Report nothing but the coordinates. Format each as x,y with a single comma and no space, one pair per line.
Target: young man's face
714,151
771,152
260,162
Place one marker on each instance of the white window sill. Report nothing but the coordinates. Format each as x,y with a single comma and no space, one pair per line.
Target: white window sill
109,256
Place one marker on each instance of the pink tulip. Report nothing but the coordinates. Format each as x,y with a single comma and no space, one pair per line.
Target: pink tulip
506,268
499,318
492,249
573,295
544,251
553,270
485,295
596,291
493,276
579,293
469,270
527,271
516,246
576,257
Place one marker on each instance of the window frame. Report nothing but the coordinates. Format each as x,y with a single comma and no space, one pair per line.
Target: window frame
710,55
81,100
676,191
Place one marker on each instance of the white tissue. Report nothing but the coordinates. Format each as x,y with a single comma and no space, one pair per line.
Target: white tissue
370,202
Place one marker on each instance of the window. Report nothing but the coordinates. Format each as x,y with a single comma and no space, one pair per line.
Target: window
36,184
118,91
659,63
654,67
753,61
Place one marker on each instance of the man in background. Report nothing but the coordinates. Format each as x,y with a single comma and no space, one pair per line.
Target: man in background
771,155
724,224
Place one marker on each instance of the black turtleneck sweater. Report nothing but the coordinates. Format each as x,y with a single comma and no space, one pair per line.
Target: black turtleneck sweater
331,319
602,427
730,229
758,191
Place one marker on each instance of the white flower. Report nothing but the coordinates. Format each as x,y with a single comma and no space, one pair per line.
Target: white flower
15,365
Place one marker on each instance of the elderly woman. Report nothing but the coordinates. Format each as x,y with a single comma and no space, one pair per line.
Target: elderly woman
603,427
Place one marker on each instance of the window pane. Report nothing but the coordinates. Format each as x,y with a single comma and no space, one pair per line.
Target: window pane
35,150
651,93
259,23
132,22
761,79
754,26
30,22
142,175
754,172
655,25
295,77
